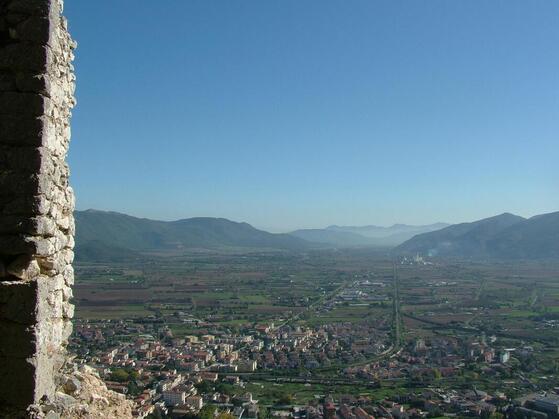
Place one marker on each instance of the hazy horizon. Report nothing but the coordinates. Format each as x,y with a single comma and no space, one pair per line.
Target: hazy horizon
273,229
301,115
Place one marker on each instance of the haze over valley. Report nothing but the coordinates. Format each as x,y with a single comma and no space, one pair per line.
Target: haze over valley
102,235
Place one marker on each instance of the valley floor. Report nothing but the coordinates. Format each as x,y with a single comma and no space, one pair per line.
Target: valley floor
351,328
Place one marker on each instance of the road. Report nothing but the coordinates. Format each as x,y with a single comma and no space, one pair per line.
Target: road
321,301
397,318
396,344
394,348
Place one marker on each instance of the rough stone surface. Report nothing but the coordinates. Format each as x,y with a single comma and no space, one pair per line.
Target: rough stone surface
87,397
36,201
36,221
24,267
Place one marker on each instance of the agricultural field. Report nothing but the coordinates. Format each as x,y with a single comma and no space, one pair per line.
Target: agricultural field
370,325
232,290
516,301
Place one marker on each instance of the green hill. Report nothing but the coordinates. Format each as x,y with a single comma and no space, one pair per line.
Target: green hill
534,238
505,236
98,233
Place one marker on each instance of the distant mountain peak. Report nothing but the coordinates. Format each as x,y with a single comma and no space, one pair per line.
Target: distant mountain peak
369,235
507,215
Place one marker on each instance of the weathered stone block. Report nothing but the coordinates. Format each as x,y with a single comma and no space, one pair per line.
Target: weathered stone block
44,246
68,274
24,204
16,245
68,311
22,341
18,382
12,19
20,224
22,130
24,267
8,82
52,415
20,159
29,7
23,103
18,303
72,385
35,83
35,28
14,184
24,56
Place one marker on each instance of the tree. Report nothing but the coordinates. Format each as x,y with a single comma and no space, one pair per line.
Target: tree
120,375
133,389
264,413
224,388
207,412
285,399
204,387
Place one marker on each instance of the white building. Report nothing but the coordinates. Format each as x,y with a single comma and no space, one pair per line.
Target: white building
174,398
195,402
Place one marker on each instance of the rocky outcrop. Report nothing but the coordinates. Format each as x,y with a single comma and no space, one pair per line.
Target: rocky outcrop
81,394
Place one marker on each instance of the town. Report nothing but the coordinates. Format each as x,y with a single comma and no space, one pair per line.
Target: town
368,345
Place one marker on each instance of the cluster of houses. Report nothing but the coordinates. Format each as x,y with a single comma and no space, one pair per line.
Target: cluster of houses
428,403
322,346
141,343
180,376
424,361
143,359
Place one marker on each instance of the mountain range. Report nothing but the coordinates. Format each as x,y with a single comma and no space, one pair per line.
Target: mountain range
371,235
101,235
505,236
112,236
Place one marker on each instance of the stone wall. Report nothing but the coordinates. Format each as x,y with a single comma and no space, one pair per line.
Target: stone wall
36,201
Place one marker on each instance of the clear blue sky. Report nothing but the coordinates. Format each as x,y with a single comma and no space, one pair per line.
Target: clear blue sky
293,113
